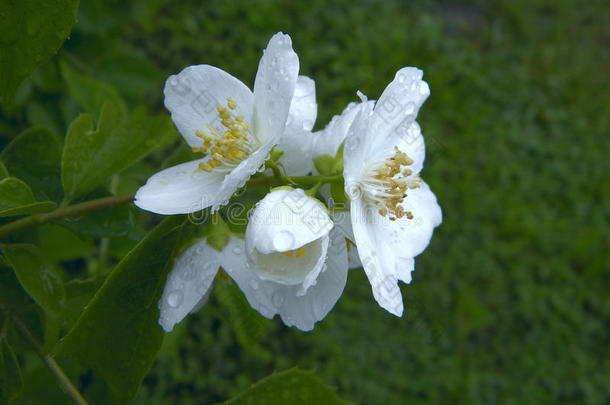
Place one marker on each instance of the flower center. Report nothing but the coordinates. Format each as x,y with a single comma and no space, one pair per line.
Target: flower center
295,253
290,267
229,146
386,186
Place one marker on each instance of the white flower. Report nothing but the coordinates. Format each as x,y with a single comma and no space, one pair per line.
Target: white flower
291,263
217,114
393,212
328,141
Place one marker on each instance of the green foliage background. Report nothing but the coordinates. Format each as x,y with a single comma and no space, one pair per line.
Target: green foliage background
509,303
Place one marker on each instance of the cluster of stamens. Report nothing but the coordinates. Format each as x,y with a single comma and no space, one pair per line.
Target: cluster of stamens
231,146
393,182
295,253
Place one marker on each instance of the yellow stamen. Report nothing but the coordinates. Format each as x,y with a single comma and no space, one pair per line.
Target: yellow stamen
394,185
295,253
229,146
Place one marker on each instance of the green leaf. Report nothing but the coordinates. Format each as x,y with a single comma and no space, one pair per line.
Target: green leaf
3,171
126,67
119,220
118,335
33,156
91,93
78,294
11,291
91,155
248,324
16,198
40,282
58,243
11,381
294,386
31,31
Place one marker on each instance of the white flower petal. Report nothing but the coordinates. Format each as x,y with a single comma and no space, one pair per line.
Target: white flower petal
193,94
296,142
377,260
400,102
180,189
188,284
312,276
270,298
410,140
330,138
286,220
404,267
297,147
240,175
387,248
274,88
409,237
290,268
353,257
343,223
303,108
358,147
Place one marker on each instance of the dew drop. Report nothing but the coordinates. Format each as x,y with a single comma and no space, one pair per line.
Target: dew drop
283,241
188,273
254,284
237,250
174,298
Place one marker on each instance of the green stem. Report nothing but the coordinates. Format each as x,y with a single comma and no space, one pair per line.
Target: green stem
277,173
51,364
312,191
298,181
64,212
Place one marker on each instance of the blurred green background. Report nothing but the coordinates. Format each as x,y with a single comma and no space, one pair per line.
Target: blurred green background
510,302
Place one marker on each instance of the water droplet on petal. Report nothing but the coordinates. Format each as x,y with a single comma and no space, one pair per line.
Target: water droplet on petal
189,272
237,250
174,298
283,241
254,284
